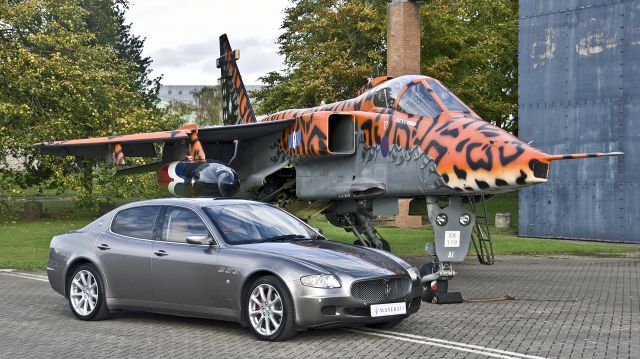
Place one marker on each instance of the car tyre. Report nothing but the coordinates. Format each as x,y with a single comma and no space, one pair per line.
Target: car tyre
270,310
386,325
86,294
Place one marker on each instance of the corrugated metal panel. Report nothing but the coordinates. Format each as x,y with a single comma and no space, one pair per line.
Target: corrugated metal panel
579,83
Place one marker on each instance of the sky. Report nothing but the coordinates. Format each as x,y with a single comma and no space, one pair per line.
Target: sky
182,37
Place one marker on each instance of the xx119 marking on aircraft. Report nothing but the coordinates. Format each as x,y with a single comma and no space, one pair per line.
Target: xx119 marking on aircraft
404,137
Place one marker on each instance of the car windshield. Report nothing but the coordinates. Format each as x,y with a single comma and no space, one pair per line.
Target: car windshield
243,223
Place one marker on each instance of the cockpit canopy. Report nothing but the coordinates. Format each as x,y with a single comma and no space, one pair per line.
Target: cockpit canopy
417,95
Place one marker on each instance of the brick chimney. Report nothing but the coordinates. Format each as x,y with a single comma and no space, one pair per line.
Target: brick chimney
403,38
403,58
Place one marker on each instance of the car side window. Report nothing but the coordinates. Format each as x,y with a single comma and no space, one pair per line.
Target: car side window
179,223
137,222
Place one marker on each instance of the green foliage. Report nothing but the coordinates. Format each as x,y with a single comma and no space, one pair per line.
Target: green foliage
472,46
106,19
332,47
62,77
208,106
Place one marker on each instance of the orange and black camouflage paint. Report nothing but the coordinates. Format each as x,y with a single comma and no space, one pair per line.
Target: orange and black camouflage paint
238,109
471,155
118,155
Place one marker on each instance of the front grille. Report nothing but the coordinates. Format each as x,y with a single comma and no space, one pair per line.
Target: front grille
380,290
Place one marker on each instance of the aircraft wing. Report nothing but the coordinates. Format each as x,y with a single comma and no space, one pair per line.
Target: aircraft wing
141,144
242,131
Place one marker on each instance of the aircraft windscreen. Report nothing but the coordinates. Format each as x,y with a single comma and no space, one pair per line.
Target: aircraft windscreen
447,98
417,100
386,94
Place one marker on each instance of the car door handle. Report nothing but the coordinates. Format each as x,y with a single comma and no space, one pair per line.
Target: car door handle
104,246
161,253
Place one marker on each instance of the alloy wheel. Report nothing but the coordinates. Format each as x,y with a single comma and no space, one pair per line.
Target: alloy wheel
84,292
265,309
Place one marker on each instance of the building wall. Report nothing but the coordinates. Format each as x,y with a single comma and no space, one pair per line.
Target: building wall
184,93
579,91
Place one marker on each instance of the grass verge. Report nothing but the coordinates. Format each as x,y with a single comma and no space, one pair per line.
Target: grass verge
24,244
410,242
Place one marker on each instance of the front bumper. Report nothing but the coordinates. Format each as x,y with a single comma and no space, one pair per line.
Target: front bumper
316,307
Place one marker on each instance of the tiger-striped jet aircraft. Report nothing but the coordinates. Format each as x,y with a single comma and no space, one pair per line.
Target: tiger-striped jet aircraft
404,137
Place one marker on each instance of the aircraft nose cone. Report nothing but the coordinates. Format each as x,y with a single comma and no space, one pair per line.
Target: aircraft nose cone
489,159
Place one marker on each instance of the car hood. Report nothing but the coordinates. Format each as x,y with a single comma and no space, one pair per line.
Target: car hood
334,256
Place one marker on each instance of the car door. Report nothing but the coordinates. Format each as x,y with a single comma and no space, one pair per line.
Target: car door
184,274
124,253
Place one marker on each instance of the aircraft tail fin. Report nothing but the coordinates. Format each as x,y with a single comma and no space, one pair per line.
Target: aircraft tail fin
236,106
582,155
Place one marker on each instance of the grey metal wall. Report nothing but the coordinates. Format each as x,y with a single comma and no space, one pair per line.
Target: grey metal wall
579,88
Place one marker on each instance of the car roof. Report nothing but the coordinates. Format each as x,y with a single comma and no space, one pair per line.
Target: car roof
190,202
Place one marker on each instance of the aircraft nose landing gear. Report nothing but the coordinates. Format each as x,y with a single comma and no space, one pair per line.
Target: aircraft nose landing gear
452,228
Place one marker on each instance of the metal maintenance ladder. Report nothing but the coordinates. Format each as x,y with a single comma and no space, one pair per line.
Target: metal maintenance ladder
481,236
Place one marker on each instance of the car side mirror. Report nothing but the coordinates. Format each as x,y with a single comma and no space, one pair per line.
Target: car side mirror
195,239
318,229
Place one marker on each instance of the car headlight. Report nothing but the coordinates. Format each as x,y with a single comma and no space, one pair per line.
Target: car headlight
320,281
414,273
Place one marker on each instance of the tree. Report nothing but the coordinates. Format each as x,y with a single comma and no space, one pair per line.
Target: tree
106,19
208,105
332,47
472,46
57,81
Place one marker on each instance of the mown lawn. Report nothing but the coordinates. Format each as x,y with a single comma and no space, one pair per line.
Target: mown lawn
24,244
411,242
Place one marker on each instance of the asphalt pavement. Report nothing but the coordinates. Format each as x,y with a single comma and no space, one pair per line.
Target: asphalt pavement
565,307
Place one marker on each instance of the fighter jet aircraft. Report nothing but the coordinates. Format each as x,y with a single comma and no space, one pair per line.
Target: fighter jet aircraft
404,137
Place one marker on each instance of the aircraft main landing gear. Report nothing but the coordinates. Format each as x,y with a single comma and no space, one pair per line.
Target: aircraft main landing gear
356,218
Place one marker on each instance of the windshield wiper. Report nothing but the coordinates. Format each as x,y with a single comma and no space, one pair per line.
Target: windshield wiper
286,237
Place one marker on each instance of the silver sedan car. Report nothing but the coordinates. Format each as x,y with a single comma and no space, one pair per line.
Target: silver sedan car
233,260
